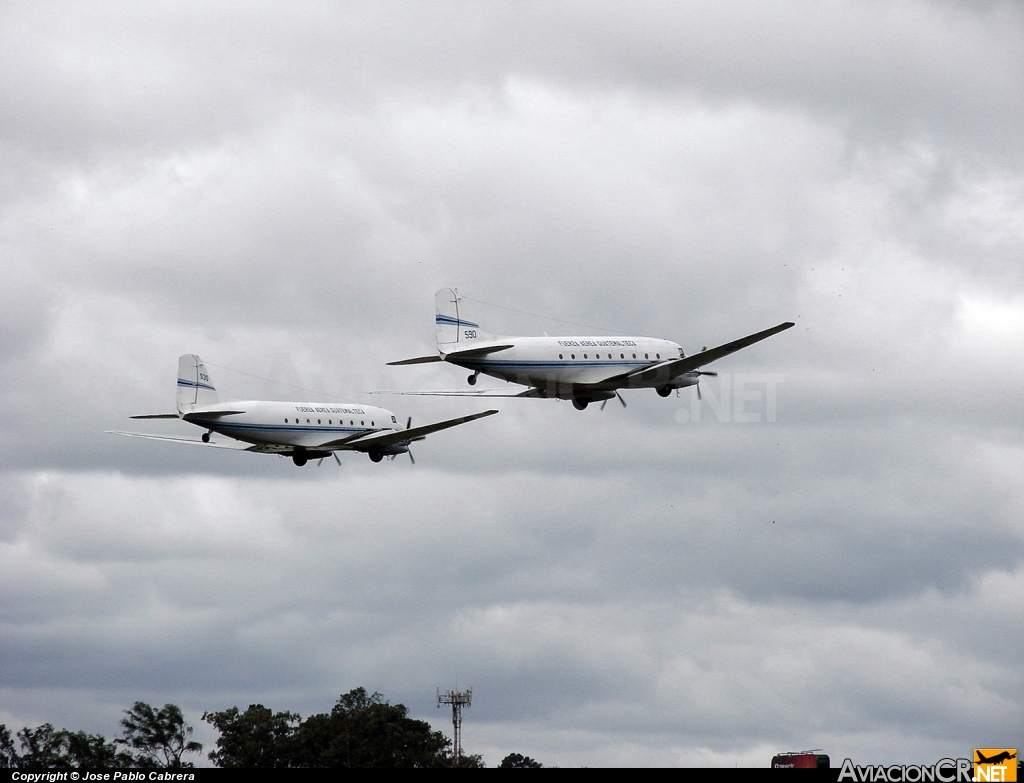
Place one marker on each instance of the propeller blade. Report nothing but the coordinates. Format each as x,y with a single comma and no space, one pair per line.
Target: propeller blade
411,457
336,458
709,372
408,424
603,403
698,391
320,462
620,399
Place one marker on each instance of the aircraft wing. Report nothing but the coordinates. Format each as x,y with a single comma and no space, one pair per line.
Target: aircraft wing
673,367
390,437
157,416
234,445
531,392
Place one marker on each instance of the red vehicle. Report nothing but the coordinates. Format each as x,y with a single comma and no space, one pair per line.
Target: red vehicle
801,759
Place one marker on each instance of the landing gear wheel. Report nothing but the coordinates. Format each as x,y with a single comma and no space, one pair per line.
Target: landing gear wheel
299,459
664,391
471,380
206,437
376,456
580,405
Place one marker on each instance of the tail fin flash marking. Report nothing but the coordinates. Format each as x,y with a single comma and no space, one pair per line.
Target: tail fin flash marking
447,320
194,386
452,324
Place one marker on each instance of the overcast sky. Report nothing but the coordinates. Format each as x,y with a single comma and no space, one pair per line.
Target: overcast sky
281,189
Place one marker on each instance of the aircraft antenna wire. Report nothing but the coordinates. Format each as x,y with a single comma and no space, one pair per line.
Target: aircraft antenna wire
546,317
281,383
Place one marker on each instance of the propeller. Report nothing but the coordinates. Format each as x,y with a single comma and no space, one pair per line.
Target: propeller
605,402
702,372
408,425
333,454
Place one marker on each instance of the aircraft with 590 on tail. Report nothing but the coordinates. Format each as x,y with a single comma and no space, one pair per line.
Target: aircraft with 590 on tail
581,369
300,430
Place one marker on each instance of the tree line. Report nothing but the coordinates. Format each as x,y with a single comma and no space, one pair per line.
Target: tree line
361,730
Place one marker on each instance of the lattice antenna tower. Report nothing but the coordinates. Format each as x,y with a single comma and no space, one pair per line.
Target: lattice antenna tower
458,700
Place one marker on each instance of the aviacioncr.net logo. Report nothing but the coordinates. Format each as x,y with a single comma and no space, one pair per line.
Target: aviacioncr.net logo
995,764
942,771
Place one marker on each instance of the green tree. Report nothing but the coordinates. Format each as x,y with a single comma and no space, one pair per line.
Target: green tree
363,730
159,737
8,755
257,737
47,747
42,746
519,761
93,751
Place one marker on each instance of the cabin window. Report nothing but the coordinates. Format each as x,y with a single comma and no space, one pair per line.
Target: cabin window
634,356
559,356
330,421
318,421
362,423
657,356
609,356
622,356
584,356
573,356
307,421
371,424
647,356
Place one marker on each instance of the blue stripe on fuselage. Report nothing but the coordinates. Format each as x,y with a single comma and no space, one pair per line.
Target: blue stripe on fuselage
252,427
277,433
505,364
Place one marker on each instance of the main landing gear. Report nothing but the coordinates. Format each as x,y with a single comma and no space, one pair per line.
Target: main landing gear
300,459
580,405
376,456
664,391
206,437
471,380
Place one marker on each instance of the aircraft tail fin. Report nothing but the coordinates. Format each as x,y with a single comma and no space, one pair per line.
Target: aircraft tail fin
194,386
455,328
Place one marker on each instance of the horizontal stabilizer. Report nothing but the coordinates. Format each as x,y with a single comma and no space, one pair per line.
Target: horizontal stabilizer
473,353
417,360
200,415
157,416
391,437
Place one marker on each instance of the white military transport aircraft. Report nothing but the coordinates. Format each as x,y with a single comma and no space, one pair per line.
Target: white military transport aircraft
300,430
581,369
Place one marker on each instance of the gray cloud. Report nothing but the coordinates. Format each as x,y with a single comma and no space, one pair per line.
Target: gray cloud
283,192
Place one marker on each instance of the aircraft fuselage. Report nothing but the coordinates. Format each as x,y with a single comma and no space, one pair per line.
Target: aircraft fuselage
298,424
548,362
